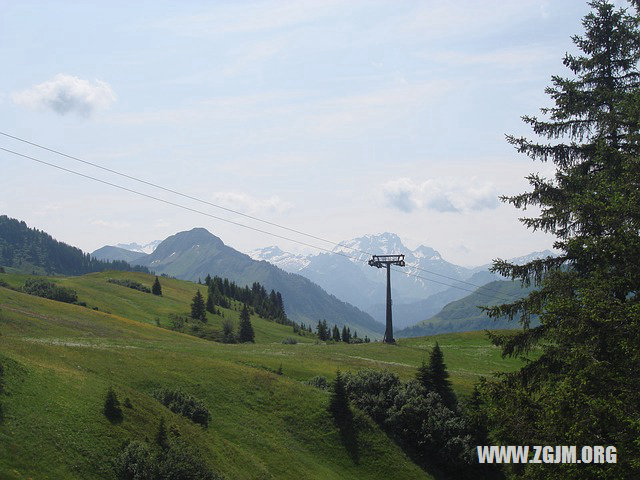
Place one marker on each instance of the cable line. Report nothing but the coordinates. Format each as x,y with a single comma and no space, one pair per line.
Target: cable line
267,222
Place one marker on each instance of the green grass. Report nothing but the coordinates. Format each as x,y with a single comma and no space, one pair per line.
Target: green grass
60,359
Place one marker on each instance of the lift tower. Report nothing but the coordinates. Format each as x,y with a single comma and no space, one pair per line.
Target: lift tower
380,261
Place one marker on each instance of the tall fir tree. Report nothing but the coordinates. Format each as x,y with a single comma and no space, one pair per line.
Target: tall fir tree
346,338
198,310
339,401
582,383
336,334
112,409
156,288
438,377
210,305
245,329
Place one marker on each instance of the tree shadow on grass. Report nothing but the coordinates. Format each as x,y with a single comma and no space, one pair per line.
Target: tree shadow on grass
349,436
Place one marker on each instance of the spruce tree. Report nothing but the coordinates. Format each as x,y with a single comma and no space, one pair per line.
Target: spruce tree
112,409
582,382
211,305
156,289
245,333
339,402
336,334
198,310
345,334
162,439
438,377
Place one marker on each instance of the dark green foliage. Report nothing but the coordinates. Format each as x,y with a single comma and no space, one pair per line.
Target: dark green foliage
227,331
346,334
127,402
319,382
2,270
136,462
339,401
211,305
322,331
198,311
156,288
289,341
245,333
437,378
46,289
178,461
417,419
162,440
130,284
583,382
336,334
27,248
183,404
112,409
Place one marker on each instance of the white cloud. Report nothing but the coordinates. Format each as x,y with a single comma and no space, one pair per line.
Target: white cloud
440,194
110,224
67,94
248,204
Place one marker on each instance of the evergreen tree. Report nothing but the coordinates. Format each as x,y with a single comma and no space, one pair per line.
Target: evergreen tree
156,289
323,330
339,402
582,384
112,409
207,280
336,334
245,333
424,377
198,310
345,334
162,440
211,305
438,377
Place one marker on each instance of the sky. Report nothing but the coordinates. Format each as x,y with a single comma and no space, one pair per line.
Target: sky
335,118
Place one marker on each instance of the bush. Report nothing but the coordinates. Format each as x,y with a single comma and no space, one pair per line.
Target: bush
139,461
130,284
373,391
45,289
319,382
183,404
289,341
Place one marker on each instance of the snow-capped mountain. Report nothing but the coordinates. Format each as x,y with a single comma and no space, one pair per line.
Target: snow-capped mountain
136,247
428,279
289,262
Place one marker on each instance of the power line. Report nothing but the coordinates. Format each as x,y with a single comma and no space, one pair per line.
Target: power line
274,224
184,207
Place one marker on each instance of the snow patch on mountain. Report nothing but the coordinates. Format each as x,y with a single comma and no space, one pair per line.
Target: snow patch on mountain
136,247
289,262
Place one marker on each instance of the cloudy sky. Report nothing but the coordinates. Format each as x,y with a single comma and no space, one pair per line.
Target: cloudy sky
337,118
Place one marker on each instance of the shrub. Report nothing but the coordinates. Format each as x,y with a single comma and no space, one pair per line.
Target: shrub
183,404
319,382
45,289
130,284
289,341
136,462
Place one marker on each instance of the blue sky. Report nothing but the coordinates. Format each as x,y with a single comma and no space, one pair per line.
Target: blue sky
338,118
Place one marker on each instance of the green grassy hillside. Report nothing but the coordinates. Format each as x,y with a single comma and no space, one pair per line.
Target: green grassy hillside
59,360
465,314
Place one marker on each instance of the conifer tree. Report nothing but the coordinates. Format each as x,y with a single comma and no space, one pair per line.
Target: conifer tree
339,402
245,333
156,289
211,305
112,409
345,334
582,384
198,310
438,377
162,439
336,334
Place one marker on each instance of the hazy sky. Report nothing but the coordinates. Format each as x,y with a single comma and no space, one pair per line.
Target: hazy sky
338,118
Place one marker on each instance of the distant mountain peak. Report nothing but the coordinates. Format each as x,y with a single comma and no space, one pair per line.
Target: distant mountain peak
140,248
427,252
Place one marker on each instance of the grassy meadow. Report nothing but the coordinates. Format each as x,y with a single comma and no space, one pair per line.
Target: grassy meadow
59,360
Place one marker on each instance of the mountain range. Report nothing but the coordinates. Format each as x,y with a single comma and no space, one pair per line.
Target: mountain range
420,291
194,254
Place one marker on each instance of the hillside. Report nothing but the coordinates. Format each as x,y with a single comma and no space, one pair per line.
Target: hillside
194,254
59,360
30,250
111,253
464,315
